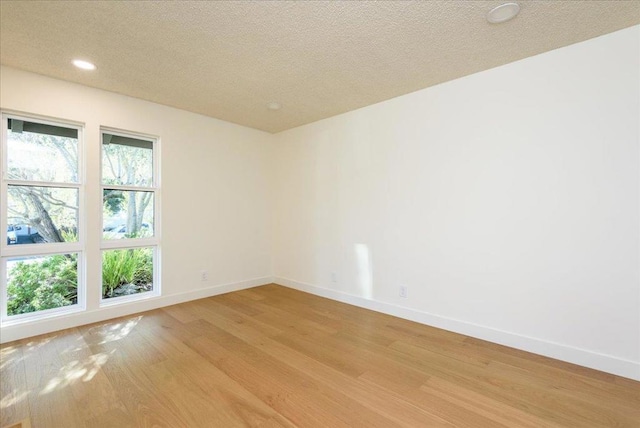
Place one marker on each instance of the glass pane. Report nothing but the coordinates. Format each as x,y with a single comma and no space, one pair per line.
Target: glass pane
127,214
41,214
126,272
36,155
41,282
127,161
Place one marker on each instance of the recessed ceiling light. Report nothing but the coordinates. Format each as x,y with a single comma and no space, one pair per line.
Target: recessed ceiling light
503,13
85,65
274,105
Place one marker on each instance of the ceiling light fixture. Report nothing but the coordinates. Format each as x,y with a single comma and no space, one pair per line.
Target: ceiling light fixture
274,105
85,65
503,13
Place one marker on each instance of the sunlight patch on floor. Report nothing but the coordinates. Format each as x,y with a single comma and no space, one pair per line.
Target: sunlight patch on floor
12,399
113,332
121,330
76,371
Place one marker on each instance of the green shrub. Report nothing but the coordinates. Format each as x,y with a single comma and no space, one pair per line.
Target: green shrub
144,273
118,268
122,267
48,283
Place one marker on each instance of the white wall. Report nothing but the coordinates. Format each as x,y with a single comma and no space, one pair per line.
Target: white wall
506,201
215,196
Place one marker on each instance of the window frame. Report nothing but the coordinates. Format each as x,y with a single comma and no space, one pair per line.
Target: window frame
41,249
152,242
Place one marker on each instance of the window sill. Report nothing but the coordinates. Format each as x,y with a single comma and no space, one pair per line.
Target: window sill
115,301
41,315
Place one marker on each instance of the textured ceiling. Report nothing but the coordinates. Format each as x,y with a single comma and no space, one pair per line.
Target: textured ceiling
318,59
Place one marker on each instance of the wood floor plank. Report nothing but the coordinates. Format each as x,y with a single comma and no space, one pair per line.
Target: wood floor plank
565,390
215,311
389,405
490,408
563,373
506,351
241,404
272,357
536,399
143,402
314,316
287,389
84,377
14,394
181,313
47,384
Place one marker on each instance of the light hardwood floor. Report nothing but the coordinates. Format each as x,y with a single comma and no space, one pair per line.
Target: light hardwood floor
275,357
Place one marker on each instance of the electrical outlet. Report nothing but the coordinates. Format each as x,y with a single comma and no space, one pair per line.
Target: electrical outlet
204,275
403,291
334,277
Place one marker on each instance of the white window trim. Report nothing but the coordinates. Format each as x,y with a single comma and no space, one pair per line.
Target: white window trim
7,251
123,244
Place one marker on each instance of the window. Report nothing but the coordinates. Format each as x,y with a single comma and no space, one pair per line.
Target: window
129,225
42,244
42,219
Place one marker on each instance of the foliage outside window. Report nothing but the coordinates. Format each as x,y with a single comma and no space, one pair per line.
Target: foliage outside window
40,283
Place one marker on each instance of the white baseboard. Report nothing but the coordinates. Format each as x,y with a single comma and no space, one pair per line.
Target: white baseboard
13,332
582,357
